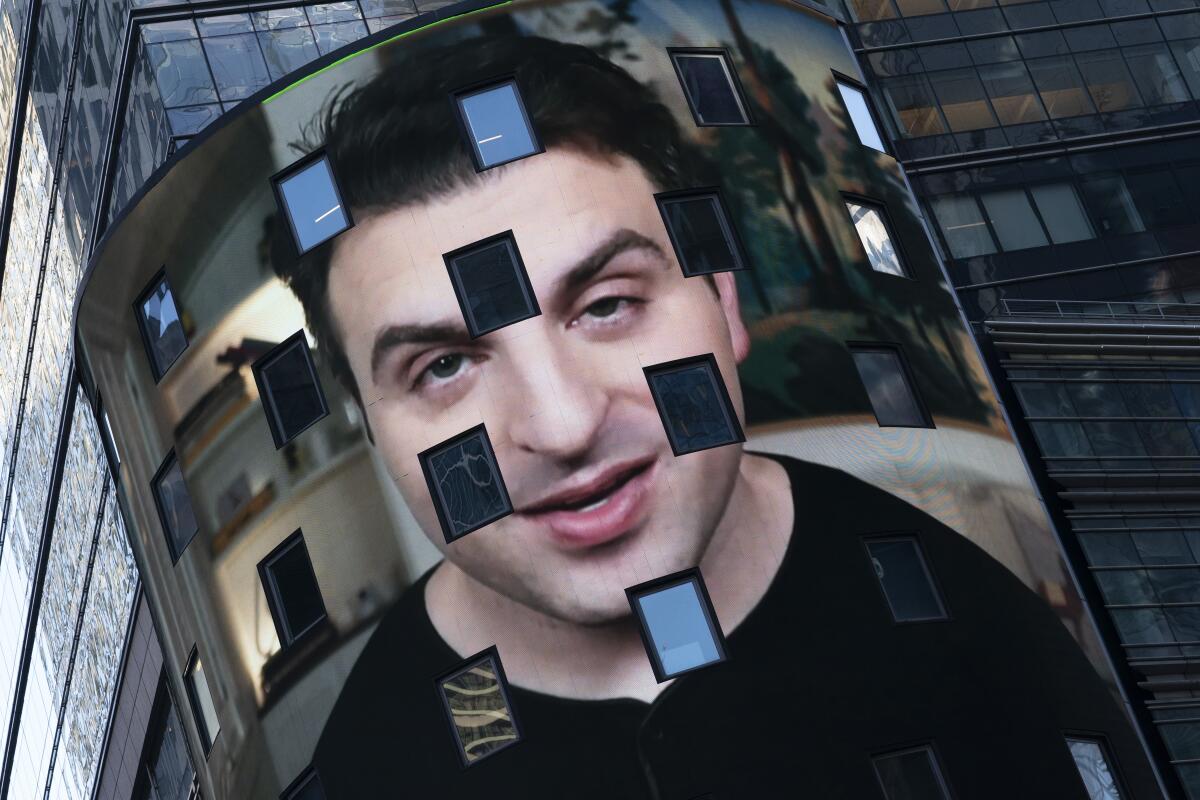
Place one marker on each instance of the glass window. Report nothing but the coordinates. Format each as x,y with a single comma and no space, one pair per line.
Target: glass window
871,10
160,324
174,506
1150,400
911,775
476,701
1109,549
1114,439
309,199
962,226
387,8
1126,587
916,8
237,65
290,389
886,379
1060,86
913,106
290,584
1061,439
1013,219
1187,56
900,567
876,236
306,787
1188,397
860,115
678,624
961,97
1098,779
497,125
694,405
700,232
165,771
1108,80
1167,438
465,483
1111,205
1158,198
491,284
1044,399
338,34
110,441
1012,94
182,73
204,711
711,89
287,49
332,12
1156,74
1062,212
1098,399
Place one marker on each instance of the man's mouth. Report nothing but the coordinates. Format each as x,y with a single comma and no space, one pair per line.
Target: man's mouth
597,510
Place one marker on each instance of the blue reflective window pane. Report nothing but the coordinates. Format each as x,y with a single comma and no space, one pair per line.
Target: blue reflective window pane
497,125
1093,767
333,12
175,509
338,34
387,8
708,81
860,116
905,580
237,65
224,24
279,18
678,624
189,120
492,287
287,49
182,73
465,483
694,406
313,204
163,328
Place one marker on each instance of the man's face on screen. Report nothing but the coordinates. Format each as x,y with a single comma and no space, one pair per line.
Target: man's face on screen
600,503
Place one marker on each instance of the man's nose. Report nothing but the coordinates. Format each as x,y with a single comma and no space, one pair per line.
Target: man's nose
553,404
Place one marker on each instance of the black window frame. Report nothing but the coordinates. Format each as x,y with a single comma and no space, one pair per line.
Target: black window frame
431,484
460,293
876,119
294,168
928,746
909,377
464,127
306,778
108,438
734,237
267,399
735,84
275,599
930,575
690,575
1106,749
147,341
207,740
493,653
881,207
710,361
168,461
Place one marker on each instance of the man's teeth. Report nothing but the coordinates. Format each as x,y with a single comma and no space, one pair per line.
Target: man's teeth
597,504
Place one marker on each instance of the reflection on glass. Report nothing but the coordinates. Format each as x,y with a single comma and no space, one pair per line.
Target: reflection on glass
905,579
491,284
313,204
162,327
1108,80
175,506
475,697
1061,211
1012,94
499,129
1111,205
1060,86
886,381
678,623
1094,770
293,594
465,483
708,82
860,116
876,238
961,97
701,233
290,389
202,703
962,225
1156,74
913,106
693,404
911,775
1013,220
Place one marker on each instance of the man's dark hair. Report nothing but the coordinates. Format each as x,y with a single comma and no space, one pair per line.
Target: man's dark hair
396,140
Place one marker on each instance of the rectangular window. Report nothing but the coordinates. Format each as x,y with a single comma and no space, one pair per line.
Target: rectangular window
905,579
1013,97
889,386
165,769
1013,219
962,225
1060,86
875,233
1093,765
160,325
465,483
481,716
963,102
860,114
309,199
174,506
911,774
106,434
290,584
678,624
1112,207
204,711
1108,80
694,405
497,125
871,10
711,87
913,106
1158,198
1156,74
491,284
307,786
700,232
1062,212
290,389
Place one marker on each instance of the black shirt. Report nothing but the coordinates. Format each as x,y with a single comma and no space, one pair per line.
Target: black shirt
819,678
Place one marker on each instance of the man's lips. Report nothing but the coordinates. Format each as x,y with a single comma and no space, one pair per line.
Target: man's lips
598,510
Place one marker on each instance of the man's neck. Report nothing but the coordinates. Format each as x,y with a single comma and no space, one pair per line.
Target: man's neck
598,662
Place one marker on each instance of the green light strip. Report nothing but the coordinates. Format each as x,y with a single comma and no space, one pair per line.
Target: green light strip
381,44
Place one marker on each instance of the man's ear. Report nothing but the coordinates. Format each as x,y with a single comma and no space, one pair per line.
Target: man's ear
728,295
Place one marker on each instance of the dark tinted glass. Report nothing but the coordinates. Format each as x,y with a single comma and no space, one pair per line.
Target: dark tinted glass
708,81
701,234
290,389
496,122
313,205
306,787
911,776
694,405
475,697
465,483
175,507
492,286
905,579
162,327
886,381
291,580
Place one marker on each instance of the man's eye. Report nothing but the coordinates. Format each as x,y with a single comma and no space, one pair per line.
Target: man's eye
445,367
604,308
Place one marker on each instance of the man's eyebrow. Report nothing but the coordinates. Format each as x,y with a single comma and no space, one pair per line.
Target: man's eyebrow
621,241
393,336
